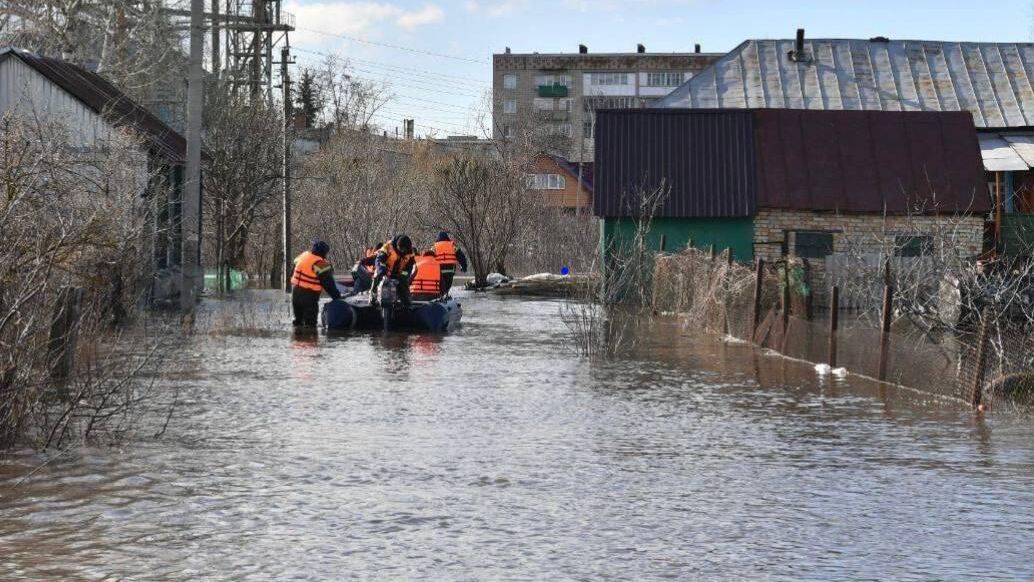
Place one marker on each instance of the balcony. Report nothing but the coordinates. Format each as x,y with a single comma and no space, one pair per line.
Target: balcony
554,90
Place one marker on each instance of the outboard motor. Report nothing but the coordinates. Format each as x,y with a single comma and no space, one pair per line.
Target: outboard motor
387,295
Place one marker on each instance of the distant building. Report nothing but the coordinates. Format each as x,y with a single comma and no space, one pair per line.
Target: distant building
562,184
560,92
466,143
770,183
92,108
992,81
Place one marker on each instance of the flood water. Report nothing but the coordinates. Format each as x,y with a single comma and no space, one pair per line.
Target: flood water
495,452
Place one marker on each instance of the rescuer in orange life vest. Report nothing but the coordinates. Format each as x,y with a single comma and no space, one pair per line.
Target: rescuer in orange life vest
394,260
448,256
362,272
312,275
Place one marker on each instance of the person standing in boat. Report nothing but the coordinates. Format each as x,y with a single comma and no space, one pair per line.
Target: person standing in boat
395,260
313,274
449,256
362,272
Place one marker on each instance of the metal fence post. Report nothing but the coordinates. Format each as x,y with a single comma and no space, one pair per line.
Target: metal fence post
759,278
834,324
976,396
888,306
786,305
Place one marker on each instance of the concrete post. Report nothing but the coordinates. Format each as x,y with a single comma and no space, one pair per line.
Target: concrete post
191,204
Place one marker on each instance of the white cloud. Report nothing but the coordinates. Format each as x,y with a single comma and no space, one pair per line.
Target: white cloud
363,19
495,8
429,14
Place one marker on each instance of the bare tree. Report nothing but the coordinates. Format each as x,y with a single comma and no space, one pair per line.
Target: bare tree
243,147
604,322
348,102
74,264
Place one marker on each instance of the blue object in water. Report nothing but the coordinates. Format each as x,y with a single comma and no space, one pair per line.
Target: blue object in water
565,271
339,315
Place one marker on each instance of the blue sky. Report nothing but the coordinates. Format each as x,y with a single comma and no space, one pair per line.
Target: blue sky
440,92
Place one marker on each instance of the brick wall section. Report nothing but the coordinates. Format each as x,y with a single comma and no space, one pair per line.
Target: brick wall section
772,227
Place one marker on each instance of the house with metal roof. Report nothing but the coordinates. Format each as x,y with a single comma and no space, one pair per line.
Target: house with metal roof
779,182
994,82
92,109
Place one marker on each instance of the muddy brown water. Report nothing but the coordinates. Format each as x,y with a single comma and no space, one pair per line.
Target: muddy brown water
495,452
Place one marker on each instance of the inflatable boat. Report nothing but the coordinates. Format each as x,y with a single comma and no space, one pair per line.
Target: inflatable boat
358,313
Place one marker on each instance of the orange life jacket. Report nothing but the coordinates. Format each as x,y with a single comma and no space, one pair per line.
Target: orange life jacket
428,277
370,252
307,267
445,254
395,261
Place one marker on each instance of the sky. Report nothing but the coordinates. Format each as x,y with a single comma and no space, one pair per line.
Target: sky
436,55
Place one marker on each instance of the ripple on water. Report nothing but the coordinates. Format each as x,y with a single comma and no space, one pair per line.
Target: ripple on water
496,453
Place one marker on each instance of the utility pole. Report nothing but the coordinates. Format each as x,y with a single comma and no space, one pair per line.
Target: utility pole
216,52
191,197
285,80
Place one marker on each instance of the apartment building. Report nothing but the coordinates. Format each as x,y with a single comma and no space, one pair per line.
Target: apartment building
560,92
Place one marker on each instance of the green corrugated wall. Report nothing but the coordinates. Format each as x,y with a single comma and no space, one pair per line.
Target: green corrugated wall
1018,234
734,233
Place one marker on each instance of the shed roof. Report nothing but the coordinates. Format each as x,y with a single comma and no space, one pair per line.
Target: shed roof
993,81
706,157
105,99
571,168
728,163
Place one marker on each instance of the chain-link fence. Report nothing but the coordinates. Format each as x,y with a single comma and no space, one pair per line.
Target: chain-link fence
982,360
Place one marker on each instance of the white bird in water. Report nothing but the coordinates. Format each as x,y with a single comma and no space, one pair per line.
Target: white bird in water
822,369
840,372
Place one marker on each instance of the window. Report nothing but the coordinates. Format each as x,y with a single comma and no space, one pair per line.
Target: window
507,131
564,80
813,245
543,104
564,104
564,129
546,182
913,246
664,79
510,106
587,130
608,79
509,81
590,104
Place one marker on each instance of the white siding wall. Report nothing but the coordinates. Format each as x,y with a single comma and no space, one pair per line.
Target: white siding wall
29,94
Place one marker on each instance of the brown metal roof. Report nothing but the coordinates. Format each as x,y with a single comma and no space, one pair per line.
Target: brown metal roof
105,99
730,162
706,159
868,161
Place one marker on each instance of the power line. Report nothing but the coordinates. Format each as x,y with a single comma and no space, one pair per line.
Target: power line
419,71
439,77
417,85
393,46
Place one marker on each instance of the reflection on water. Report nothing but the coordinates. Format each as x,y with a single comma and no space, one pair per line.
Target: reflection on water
494,452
